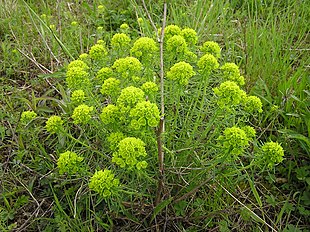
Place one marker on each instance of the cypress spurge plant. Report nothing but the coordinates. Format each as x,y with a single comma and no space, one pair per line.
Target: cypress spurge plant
113,125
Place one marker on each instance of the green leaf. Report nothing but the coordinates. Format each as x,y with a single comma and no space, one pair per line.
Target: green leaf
160,207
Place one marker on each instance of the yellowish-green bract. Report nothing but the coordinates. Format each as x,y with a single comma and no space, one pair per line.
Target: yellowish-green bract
78,96
129,97
120,41
114,139
98,51
110,114
144,48
82,114
150,88
70,163
230,72
181,72
271,153
54,124
77,76
170,31
249,131
27,116
212,48
78,63
207,63
104,183
127,67
144,114
104,73
190,36
111,87
124,26
129,154
229,95
176,45
253,104
234,140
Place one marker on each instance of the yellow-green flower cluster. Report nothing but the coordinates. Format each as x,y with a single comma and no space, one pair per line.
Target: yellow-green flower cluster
84,57
234,140
130,96
27,116
150,88
82,114
181,72
271,153
104,73
176,45
104,183
101,9
98,52
144,48
253,104
54,124
207,63
190,36
109,114
229,94
70,163
249,131
110,87
144,114
230,71
212,48
120,41
77,76
124,27
170,31
114,139
129,154
78,96
127,67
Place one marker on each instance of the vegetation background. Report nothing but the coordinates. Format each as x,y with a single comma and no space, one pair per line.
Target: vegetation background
268,39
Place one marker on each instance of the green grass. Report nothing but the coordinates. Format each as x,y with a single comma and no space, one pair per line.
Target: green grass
269,40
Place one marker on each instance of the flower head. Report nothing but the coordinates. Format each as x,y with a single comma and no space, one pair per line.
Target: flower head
234,140
129,153
114,139
98,52
253,104
250,132
207,63
109,114
78,96
170,31
77,78
54,124
144,48
150,88
144,114
229,94
212,48
84,57
177,45
124,26
110,87
129,97
181,72
79,64
190,36
120,41
69,162
230,71
271,153
101,9
27,116
104,73
82,114
104,183
127,67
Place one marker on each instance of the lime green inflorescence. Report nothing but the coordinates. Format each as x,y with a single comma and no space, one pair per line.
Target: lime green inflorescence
77,78
176,45
190,36
170,31
98,51
212,48
110,114
181,72
130,151
253,104
249,131
124,26
110,87
114,139
229,94
130,96
104,73
271,153
78,96
54,124
234,141
120,40
144,114
82,114
150,88
207,63
70,163
144,48
104,183
230,72
127,67
78,63
27,116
